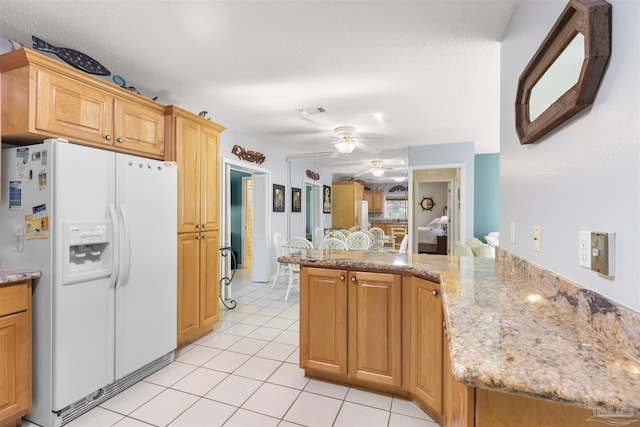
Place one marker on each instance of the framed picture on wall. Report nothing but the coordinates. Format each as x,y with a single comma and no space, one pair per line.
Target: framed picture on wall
278,198
326,199
296,199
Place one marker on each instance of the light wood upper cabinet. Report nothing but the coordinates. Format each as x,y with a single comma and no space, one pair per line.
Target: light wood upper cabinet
345,198
196,148
374,200
15,351
51,99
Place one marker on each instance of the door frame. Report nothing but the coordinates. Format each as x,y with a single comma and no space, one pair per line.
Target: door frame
225,227
457,206
315,206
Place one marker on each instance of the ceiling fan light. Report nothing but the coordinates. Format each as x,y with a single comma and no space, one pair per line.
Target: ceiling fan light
377,172
346,146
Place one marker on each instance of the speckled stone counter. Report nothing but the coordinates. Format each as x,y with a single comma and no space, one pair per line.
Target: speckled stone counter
8,275
505,335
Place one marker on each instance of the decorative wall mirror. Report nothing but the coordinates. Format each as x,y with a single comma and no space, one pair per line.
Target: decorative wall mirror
427,203
544,101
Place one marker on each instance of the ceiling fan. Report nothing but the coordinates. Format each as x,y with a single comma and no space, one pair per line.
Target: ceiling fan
376,169
346,142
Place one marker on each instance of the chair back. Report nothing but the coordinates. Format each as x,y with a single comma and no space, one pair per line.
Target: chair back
345,232
318,235
370,234
279,241
354,228
404,245
377,232
297,244
358,241
336,235
333,243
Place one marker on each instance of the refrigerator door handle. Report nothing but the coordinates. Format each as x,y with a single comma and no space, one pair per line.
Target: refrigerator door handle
125,248
114,226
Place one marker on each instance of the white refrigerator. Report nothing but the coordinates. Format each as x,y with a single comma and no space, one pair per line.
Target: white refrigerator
101,227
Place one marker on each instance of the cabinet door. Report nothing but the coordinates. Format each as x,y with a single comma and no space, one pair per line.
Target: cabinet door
375,327
15,360
138,129
377,201
73,109
323,320
210,179
209,278
188,284
426,345
368,196
187,146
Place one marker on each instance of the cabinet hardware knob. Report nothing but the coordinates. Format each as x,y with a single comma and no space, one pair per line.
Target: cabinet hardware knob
107,137
435,293
204,225
120,139
198,238
353,278
342,277
198,226
204,237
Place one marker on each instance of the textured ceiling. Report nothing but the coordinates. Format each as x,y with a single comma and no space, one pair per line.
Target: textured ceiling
401,72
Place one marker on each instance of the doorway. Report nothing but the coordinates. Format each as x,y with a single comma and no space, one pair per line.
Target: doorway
245,218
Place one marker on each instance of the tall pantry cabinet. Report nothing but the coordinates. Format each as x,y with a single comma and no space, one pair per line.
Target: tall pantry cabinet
196,148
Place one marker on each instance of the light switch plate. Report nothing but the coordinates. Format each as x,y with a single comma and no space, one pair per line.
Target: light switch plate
602,252
536,238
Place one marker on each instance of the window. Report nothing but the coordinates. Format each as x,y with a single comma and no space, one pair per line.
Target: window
395,207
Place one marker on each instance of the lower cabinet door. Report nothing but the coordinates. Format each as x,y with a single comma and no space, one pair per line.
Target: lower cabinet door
375,327
426,346
323,320
15,363
188,285
209,278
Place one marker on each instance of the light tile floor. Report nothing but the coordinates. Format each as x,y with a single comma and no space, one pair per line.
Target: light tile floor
245,374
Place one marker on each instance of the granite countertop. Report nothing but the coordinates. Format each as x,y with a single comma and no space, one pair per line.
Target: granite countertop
9,276
505,336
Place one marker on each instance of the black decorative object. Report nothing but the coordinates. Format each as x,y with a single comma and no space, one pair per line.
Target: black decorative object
226,281
296,200
427,203
72,57
119,80
326,199
278,198
398,188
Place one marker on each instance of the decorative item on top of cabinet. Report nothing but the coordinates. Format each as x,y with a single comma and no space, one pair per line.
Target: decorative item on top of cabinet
15,353
49,99
247,155
72,57
195,144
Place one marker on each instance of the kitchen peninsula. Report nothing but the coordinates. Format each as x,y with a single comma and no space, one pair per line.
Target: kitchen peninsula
376,320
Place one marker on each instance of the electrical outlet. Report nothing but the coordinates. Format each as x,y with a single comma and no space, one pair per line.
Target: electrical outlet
585,249
536,238
513,232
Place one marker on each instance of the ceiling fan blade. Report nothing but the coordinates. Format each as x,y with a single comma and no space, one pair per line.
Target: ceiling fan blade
357,174
335,153
368,149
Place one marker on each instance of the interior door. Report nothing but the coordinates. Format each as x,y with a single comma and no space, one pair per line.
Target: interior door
260,227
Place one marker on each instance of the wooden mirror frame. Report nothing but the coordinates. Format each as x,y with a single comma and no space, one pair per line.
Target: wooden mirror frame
592,18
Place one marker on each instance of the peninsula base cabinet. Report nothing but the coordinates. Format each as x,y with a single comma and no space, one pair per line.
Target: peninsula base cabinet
351,327
15,352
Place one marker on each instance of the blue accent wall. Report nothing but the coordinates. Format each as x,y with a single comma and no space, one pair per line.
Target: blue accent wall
487,194
235,213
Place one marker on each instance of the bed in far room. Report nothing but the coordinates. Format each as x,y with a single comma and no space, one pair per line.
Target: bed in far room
428,237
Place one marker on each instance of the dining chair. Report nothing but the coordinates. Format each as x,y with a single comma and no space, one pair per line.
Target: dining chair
398,233
345,232
293,246
333,243
354,228
358,241
336,235
404,245
279,242
377,232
